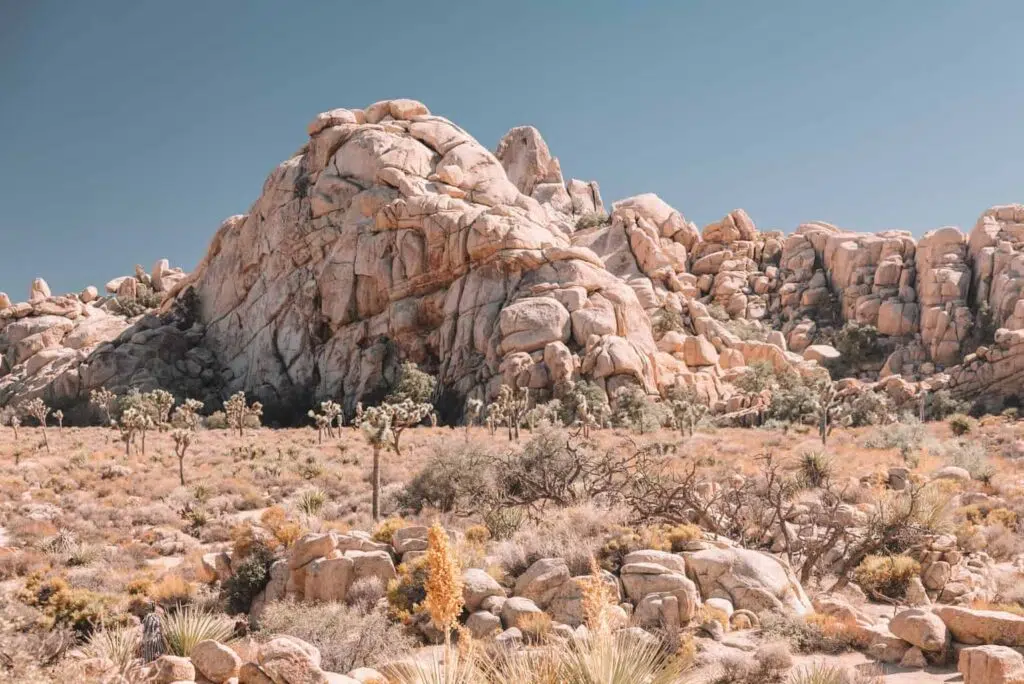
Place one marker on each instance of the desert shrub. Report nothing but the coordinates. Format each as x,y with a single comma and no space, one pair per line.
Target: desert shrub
504,521
385,529
679,535
626,540
590,394
760,375
413,384
886,575
1011,413
80,609
820,673
970,456
118,645
857,344
960,424
186,627
311,501
574,534
940,404
747,330
635,409
668,320
347,638
218,420
250,576
593,220
906,434
455,480
365,592
814,633
816,468
407,592
870,408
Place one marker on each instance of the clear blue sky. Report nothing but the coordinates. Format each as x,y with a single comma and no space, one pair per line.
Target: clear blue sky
130,129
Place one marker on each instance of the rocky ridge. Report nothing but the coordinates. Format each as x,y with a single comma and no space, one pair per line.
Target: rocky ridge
393,235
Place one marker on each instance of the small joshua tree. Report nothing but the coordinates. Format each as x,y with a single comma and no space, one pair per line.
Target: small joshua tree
444,583
828,408
509,409
186,416
160,403
38,409
103,399
687,409
404,415
239,412
134,424
8,416
58,416
326,419
473,409
186,423
182,441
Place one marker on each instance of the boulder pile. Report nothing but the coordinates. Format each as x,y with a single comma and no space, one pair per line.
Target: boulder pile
394,235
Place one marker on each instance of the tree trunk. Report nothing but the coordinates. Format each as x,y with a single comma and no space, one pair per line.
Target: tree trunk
376,482
181,468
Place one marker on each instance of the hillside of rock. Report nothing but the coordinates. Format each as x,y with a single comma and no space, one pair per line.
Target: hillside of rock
394,235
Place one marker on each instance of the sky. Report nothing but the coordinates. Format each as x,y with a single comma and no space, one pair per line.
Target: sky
129,129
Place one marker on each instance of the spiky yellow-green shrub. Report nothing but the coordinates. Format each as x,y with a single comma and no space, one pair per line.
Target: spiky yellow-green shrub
185,628
886,575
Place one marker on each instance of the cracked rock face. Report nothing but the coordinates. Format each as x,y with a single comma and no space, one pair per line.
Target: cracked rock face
393,235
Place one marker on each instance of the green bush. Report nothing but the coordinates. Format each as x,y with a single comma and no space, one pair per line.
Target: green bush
250,577
886,575
593,220
960,424
456,480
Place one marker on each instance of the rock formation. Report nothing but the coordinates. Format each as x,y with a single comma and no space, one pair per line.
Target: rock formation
393,235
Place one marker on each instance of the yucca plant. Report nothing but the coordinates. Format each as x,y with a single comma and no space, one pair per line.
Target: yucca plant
454,668
820,673
621,657
311,501
119,645
186,627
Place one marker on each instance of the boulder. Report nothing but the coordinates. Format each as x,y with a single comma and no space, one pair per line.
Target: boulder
477,586
482,624
921,628
971,626
541,580
328,579
991,665
215,661
641,579
309,547
288,660
515,609
752,580
822,353
167,669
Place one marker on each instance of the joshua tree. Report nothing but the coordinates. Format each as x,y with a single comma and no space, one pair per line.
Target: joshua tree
103,399
15,421
182,441
38,409
828,409
8,416
238,411
58,415
473,409
376,428
329,415
160,403
186,415
405,415
509,409
134,423
687,409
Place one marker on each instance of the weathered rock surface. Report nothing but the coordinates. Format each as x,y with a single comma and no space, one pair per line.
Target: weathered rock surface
971,626
750,579
393,235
